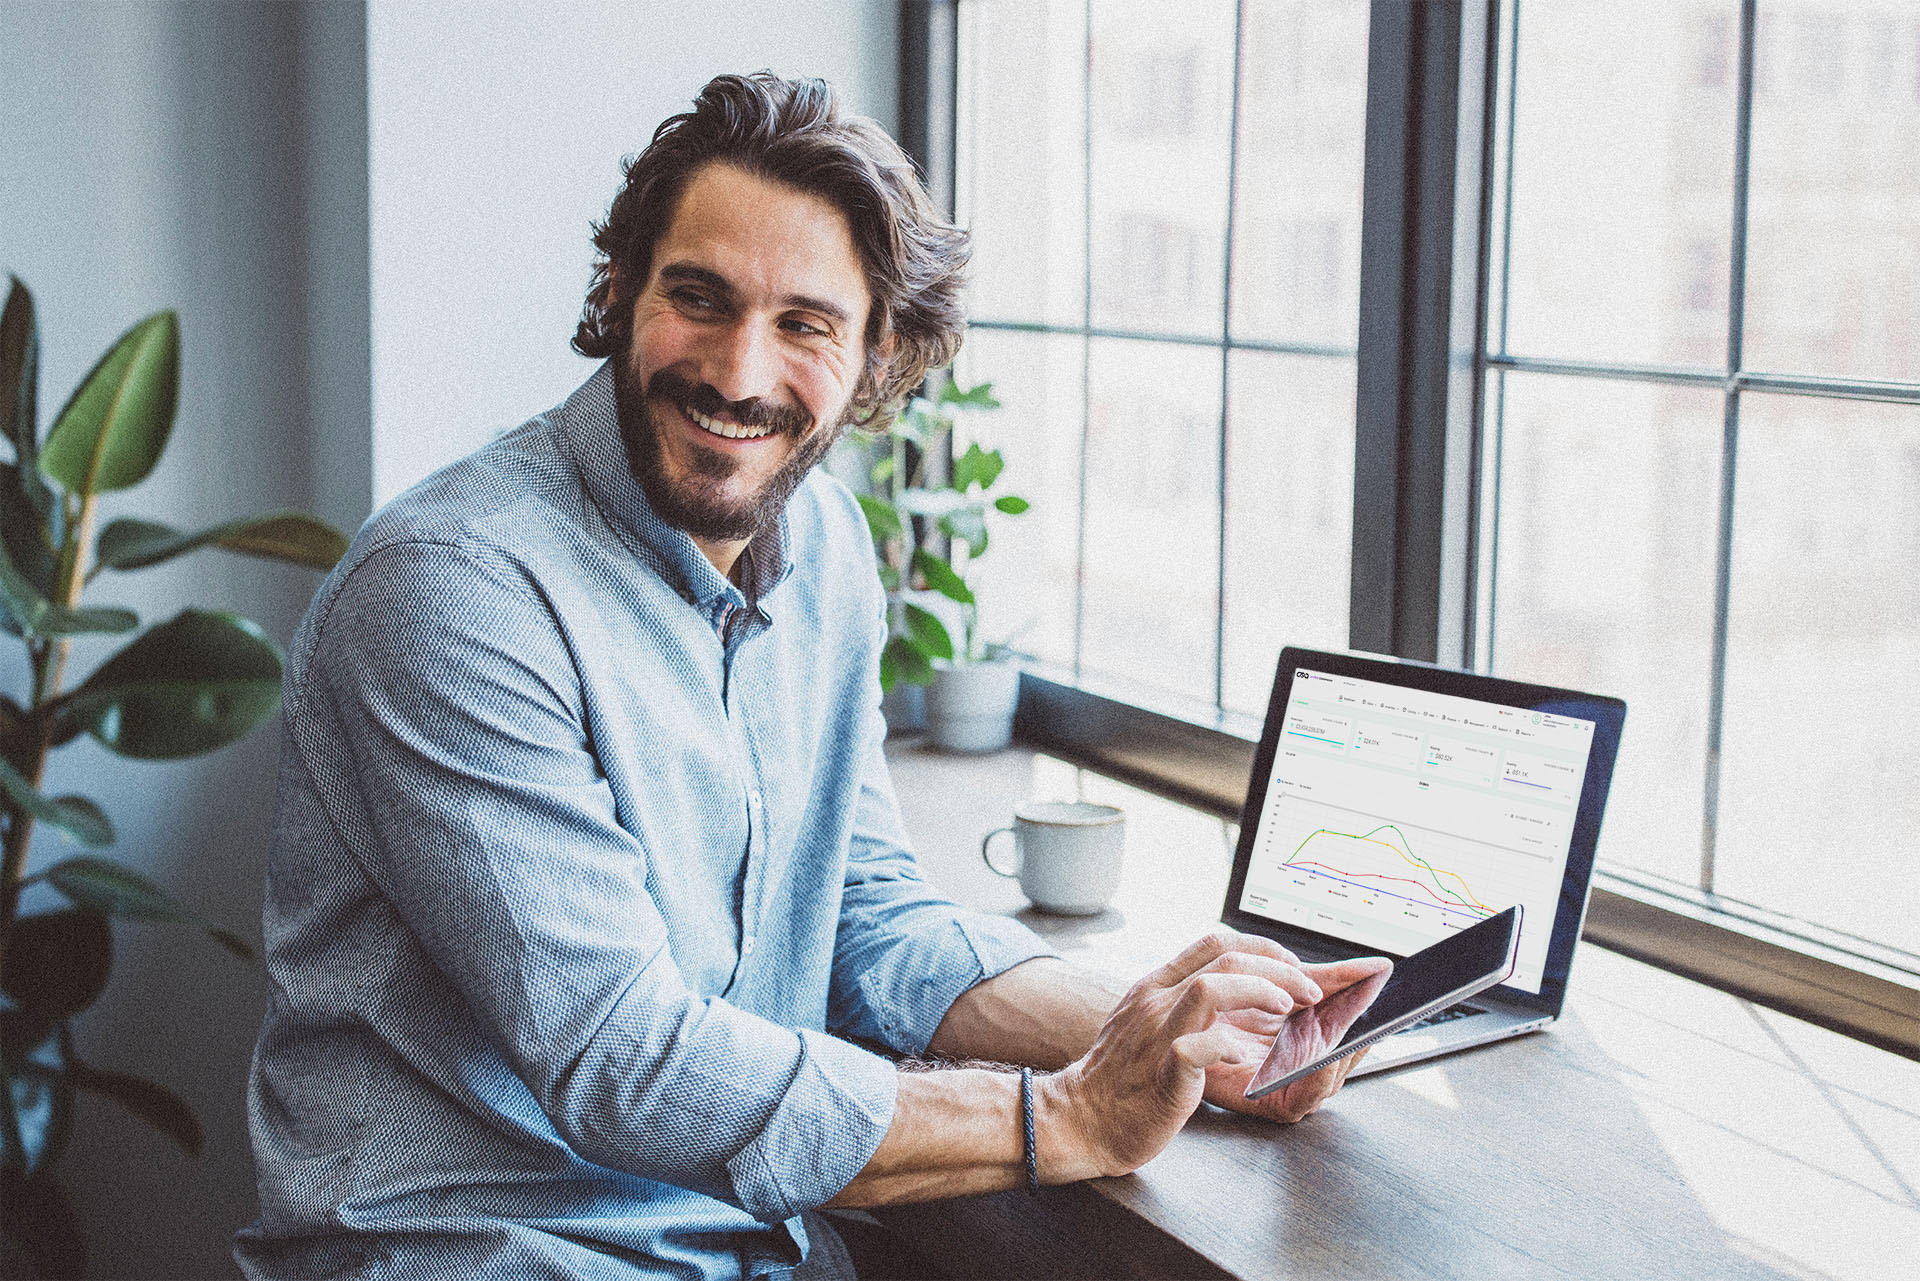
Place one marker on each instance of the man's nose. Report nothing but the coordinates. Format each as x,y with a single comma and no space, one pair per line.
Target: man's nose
741,365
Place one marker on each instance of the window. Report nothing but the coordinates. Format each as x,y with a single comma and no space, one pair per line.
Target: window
1167,226
1605,316
1705,337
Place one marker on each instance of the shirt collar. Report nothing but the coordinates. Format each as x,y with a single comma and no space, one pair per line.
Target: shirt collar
590,423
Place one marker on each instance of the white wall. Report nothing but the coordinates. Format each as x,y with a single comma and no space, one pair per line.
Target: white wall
496,136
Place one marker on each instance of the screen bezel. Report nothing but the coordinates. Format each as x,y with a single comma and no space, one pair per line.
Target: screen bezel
1608,716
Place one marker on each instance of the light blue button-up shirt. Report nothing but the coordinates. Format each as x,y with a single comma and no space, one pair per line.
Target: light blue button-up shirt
573,903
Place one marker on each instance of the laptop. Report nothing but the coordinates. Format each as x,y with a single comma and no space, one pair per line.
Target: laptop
1395,803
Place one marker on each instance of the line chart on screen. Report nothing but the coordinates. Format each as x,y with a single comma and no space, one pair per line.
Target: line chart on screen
1389,881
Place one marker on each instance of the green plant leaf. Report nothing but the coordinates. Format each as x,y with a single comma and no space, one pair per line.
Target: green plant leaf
115,428
1011,504
941,578
24,535
289,536
154,1104
58,962
77,816
901,663
117,890
183,688
978,396
19,367
890,578
20,393
13,1147
32,614
882,471
29,517
968,525
927,633
13,725
883,522
977,467
37,1057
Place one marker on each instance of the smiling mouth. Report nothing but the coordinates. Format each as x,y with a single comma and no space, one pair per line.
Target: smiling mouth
720,427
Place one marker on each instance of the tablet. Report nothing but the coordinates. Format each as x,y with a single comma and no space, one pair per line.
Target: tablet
1355,1017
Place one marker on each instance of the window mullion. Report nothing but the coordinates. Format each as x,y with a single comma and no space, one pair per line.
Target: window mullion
1226,354
1729,450
1422,240
1086,344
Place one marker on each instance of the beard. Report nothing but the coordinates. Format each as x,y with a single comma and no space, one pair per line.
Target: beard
697,502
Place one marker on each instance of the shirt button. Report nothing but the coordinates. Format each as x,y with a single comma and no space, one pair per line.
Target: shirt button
748,949
754,797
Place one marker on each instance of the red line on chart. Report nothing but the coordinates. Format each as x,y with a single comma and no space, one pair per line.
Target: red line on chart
1381,876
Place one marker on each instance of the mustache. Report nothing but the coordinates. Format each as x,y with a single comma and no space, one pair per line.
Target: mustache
752,412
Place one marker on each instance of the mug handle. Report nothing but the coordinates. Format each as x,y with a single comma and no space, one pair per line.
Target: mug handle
986,843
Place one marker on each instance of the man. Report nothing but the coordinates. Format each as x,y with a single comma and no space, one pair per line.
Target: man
587,874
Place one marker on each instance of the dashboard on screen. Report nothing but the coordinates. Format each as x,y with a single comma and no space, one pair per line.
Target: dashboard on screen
1395,817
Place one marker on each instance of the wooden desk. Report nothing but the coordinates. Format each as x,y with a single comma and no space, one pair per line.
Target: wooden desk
1661,1129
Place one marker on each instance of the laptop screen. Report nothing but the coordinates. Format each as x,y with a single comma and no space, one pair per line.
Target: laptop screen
1394,815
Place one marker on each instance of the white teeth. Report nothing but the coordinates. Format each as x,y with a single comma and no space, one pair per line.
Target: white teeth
732,431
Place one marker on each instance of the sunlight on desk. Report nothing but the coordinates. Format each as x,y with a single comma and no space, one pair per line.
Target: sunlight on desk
1430,1083
1801,1166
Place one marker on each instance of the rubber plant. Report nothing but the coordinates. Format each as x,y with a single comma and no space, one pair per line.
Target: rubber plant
928,534
182,688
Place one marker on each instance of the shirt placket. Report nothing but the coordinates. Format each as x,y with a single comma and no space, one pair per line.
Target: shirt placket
731,623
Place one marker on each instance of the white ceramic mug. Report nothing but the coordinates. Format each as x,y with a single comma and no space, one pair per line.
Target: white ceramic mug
1066,854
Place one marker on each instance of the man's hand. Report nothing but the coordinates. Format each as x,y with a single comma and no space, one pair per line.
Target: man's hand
1227,1080
1196,1027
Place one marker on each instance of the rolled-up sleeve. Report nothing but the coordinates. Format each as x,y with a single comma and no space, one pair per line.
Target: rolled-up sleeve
442,720
904,954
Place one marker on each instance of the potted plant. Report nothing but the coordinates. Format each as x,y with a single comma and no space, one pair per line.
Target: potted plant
179,689
928,535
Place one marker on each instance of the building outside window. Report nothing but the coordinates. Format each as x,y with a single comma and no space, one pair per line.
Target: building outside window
1697,477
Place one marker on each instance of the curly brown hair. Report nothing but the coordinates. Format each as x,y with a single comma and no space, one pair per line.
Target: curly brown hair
793,132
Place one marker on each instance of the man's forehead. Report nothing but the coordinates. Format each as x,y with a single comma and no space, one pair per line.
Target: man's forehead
755,235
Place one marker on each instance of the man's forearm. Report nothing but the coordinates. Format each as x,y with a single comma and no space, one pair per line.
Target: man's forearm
1042,1012
959,1133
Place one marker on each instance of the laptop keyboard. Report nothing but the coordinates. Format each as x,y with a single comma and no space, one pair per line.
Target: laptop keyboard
1447,1015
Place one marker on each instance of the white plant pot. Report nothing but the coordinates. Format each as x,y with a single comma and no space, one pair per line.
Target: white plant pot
970,706
905,709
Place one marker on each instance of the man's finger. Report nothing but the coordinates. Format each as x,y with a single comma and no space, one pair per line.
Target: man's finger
1204,997
1208,948
1262,946
1336,975
1207,1048
1202,951
1300,986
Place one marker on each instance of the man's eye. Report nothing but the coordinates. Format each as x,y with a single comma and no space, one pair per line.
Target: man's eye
805,329
693,299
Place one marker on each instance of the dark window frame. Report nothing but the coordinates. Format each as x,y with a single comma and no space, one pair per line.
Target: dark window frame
1431,135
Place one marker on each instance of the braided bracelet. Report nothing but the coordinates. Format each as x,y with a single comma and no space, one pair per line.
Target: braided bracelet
1026,1119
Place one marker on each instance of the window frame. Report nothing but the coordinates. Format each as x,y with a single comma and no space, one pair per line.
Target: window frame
1425,291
